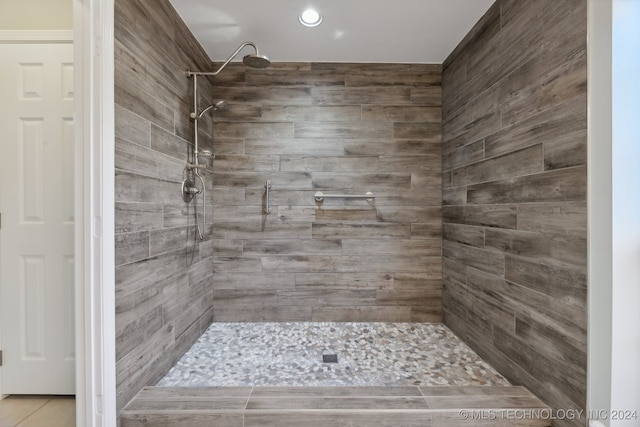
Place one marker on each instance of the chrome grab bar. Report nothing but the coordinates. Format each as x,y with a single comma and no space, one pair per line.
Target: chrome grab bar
267,205
319,196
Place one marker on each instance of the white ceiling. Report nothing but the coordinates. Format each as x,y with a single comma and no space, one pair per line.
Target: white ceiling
408,31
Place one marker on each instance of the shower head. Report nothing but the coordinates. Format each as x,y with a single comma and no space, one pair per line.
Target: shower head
219,105
256,61
206,153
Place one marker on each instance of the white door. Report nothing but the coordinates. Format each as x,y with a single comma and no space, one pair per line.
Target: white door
36,233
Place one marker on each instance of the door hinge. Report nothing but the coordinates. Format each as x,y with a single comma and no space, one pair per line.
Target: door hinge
0,357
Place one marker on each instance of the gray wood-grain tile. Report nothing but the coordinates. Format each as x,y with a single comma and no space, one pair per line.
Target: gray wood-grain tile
560,185
162,303
360,314
400,95
502,216
334,407
312,163
342,280
514,188
523,162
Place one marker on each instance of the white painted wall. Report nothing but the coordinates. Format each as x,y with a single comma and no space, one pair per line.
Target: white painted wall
36,14
614,212
625,339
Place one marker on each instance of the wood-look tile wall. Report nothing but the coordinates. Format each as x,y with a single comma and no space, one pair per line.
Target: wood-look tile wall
163,297
514,195
336,128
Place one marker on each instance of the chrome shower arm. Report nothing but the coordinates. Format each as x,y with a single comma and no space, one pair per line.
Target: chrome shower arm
233,55
193,115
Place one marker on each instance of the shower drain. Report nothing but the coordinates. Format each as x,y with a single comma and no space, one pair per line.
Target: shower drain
329,358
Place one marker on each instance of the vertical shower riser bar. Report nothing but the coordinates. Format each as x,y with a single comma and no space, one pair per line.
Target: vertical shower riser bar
188,188
194,166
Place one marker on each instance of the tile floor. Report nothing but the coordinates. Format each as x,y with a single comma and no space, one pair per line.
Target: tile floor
291,354
38,411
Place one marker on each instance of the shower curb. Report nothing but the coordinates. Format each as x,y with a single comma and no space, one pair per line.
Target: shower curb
407,406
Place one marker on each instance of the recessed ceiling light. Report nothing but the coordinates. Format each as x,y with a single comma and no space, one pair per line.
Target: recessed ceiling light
310,18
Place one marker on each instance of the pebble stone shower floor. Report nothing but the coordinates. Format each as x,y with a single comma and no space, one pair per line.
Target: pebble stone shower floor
291,354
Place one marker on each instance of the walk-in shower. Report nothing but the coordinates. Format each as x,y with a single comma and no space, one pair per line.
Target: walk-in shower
191,175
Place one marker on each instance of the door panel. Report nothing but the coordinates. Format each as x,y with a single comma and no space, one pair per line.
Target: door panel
36,201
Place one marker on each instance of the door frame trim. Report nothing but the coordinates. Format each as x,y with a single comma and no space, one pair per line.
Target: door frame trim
95,165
